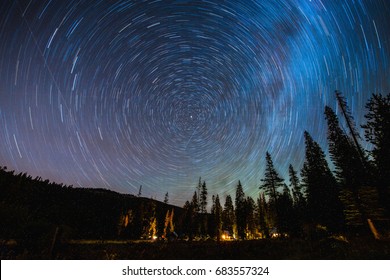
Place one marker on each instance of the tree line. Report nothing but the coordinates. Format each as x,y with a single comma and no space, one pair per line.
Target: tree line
352,198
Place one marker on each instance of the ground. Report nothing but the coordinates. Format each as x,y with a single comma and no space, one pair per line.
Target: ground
276,249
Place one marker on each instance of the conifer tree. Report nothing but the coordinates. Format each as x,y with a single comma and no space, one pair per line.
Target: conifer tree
344,154
203,208
240,211
262,214
323,205
250,227
377,133
211,218
299,202
228,217
199,188
195,214
272,181
285,212
350,169
350,123
218,217
195,203
203,198
295,185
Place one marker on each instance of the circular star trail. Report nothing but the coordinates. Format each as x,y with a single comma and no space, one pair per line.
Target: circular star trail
118,94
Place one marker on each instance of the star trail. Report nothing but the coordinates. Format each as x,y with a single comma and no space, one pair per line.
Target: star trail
118,94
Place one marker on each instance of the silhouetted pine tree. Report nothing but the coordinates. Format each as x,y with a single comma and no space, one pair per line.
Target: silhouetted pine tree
199,189
195,215
377,132
250,228
272,181
203,198
345,156
203,208
166,198
262,215
350,169
285,211
350,123
240,211
228,217
321,190
217,213
295,186
211,219
299,202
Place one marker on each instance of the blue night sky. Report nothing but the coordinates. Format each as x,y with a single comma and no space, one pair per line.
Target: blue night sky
118,94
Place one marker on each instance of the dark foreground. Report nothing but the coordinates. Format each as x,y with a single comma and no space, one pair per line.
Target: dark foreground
256,249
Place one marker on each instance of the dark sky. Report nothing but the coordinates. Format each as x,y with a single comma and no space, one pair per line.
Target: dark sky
118,94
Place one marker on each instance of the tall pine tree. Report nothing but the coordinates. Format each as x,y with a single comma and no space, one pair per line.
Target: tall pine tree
377,132
323,205
262,215
296,187
228,216
203,198
350,123
203,208
350,169
240,211
217,217
250,219
285,211
299,202
344,154
272,181
195,215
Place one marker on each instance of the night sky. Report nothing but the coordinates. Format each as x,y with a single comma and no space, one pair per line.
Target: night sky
118,94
